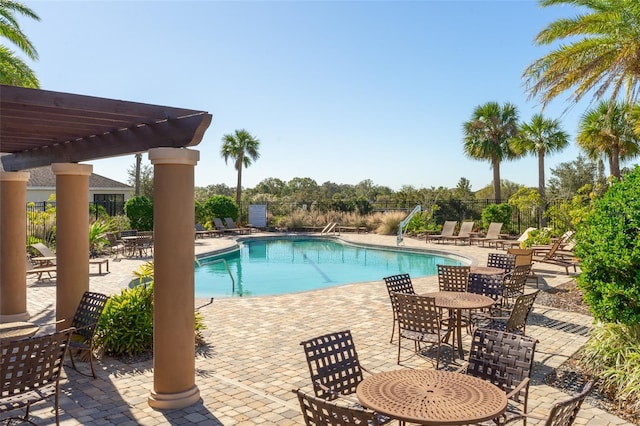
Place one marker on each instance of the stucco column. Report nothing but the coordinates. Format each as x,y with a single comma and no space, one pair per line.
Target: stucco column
13,249
72,238
173,298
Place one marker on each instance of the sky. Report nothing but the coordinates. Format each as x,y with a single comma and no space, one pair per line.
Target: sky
338,91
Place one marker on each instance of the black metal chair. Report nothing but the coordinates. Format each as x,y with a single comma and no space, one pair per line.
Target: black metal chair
30,371
85,322
320,412
564,413
515,319
506,360
504,261
419,320
400,283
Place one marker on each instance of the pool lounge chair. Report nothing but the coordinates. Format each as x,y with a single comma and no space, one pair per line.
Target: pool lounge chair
492,236
448,228
505,244
554,258
46,256
464,234
217,222
232,226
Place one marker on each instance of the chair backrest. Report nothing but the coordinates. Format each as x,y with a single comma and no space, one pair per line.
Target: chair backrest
320,412
218,224
503,261
31,364
333,364
486,285
465,229
564,413
199,227
504,359
230,223
551,253
524,256
417,313
87,315
523,305
494,230
515,281
448,228
43,250
129,233
400,283
523,237
453,277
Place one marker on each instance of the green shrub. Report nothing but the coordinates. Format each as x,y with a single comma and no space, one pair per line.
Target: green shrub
538,237
98,236
496,213
608,246
126,324
139,210
612,354
221,206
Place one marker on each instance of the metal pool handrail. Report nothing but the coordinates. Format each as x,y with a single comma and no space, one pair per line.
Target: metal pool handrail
226,265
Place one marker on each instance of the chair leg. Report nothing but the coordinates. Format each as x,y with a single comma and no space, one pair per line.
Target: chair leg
393,330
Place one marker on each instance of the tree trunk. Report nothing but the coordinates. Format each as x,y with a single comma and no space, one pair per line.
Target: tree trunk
614,161
541,183
239,186
138,163
495,164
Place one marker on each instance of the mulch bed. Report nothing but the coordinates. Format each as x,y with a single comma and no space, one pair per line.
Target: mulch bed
569,377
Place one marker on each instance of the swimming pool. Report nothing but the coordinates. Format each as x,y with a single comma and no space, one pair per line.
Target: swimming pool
270,266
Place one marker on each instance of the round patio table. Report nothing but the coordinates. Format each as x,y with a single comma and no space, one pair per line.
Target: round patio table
486,270
459,301
17,330
432,397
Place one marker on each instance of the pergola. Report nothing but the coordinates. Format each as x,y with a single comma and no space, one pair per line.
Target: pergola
41,128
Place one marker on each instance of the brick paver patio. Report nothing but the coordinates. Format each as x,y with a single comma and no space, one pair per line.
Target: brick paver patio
253,359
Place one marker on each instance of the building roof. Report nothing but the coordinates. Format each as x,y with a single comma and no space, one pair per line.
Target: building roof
39,127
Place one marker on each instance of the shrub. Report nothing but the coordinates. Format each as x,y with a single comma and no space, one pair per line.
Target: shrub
496,213
98,236
139,210
126,324
608,245
390,222
221,206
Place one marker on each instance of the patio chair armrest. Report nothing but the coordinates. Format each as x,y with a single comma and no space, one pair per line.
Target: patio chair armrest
518,388
463,368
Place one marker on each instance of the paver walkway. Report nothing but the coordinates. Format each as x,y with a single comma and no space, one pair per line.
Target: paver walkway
253,359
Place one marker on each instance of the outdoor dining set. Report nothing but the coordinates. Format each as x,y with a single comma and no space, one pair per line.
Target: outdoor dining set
489,385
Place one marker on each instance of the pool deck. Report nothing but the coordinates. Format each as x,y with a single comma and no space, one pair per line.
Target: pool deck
253,360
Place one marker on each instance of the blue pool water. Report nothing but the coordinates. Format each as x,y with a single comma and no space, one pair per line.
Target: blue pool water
286,265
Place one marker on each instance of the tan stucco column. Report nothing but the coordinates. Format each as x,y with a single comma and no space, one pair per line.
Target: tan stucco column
72,238
13,246
173,298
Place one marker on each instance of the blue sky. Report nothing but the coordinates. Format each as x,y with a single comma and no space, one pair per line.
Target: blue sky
337,91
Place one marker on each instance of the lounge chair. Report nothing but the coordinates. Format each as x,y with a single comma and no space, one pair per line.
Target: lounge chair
567,243
201,232
31,269
554,258
46,256
217,222
447,231
232,226
505,244
492,235
463,234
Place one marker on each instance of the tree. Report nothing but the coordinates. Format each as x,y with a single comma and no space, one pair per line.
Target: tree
601,54
146,179
242,147
13,70
539,137
567,178
608,130
487,136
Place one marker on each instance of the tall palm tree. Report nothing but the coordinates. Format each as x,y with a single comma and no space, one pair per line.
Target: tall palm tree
608,130
487,136
540,136
13,70
242,147
601,53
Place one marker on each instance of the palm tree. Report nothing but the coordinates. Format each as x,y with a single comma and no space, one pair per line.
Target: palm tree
487,136
601,54
13,70
541,136
608,130
243,148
